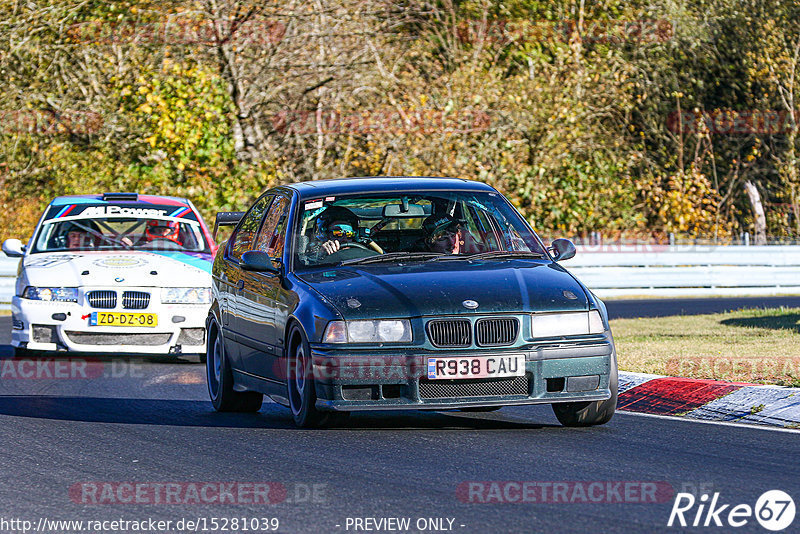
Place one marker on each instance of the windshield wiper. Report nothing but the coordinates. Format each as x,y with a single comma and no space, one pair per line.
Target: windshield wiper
492,255
391,256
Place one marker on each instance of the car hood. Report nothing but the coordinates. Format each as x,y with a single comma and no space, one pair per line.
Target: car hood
123,269
373,291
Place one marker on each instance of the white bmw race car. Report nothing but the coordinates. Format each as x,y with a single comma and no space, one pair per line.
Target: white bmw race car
114,273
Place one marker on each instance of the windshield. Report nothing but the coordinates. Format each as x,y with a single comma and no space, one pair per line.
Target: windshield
400,226
120,233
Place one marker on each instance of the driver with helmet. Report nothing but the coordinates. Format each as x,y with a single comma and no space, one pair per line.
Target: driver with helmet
159,229
335,227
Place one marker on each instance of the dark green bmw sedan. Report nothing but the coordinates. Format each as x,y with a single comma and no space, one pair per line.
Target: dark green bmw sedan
401,293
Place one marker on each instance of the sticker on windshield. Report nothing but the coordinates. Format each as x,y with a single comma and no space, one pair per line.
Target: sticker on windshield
314,204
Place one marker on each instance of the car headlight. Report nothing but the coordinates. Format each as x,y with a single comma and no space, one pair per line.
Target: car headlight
53,294
380,331
567,324
186,295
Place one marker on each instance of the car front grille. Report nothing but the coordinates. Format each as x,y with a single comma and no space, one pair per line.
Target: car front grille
450,333
92,338
135,300
480,387
496,332
105,300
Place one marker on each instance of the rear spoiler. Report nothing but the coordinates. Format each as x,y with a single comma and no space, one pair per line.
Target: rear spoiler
227,218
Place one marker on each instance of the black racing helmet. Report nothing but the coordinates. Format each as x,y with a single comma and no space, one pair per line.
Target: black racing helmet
436,224
335,214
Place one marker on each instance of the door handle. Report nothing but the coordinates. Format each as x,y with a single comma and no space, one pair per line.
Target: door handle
240,284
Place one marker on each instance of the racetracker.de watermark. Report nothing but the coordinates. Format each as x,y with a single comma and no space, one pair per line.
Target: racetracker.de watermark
47,122
192,493
564,492
616,31
732,122
380,121
737,369
180,30
69,368
375,367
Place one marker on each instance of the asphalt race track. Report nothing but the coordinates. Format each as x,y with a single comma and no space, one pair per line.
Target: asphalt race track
149,421
618,309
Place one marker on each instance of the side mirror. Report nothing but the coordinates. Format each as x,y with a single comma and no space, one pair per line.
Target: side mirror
562,249
258,261
13,248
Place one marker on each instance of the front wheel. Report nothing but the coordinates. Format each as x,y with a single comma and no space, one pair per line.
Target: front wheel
220,379
301,386
589,413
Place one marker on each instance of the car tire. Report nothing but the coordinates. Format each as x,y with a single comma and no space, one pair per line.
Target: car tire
301,386
590,413
220,379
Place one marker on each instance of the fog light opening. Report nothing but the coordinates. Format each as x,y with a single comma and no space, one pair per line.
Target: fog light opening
555,385
392,391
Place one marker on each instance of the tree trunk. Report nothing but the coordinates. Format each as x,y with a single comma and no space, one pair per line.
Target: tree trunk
759,218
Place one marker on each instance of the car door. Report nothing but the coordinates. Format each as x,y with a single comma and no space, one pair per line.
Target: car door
240,242
260,293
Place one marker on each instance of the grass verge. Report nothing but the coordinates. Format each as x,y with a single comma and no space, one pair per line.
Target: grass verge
751,345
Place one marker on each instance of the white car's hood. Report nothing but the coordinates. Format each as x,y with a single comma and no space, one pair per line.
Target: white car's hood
121,269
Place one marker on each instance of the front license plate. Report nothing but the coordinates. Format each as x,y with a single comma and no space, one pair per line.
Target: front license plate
483,367
123,319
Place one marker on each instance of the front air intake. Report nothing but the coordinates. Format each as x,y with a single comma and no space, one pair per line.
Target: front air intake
135,300
450,333
104,300
496,332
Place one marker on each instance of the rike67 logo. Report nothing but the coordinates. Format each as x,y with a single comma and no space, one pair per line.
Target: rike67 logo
774,510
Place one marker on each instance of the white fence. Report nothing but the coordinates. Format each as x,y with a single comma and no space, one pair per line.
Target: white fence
645,270
667,271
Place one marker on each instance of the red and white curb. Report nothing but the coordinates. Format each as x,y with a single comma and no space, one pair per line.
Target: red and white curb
711,400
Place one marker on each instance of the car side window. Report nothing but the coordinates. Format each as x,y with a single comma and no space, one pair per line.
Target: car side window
243,237
272,236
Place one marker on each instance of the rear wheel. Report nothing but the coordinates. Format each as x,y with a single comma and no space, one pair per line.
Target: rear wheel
220,379
301,385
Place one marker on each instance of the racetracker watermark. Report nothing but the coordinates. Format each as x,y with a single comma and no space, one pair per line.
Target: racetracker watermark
68,369
391,368
178,29
381,121
191,493
736,369
47,122
588,31
565,492
731,122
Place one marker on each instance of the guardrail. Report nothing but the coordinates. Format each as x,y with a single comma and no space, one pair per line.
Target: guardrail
671,271
644,270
